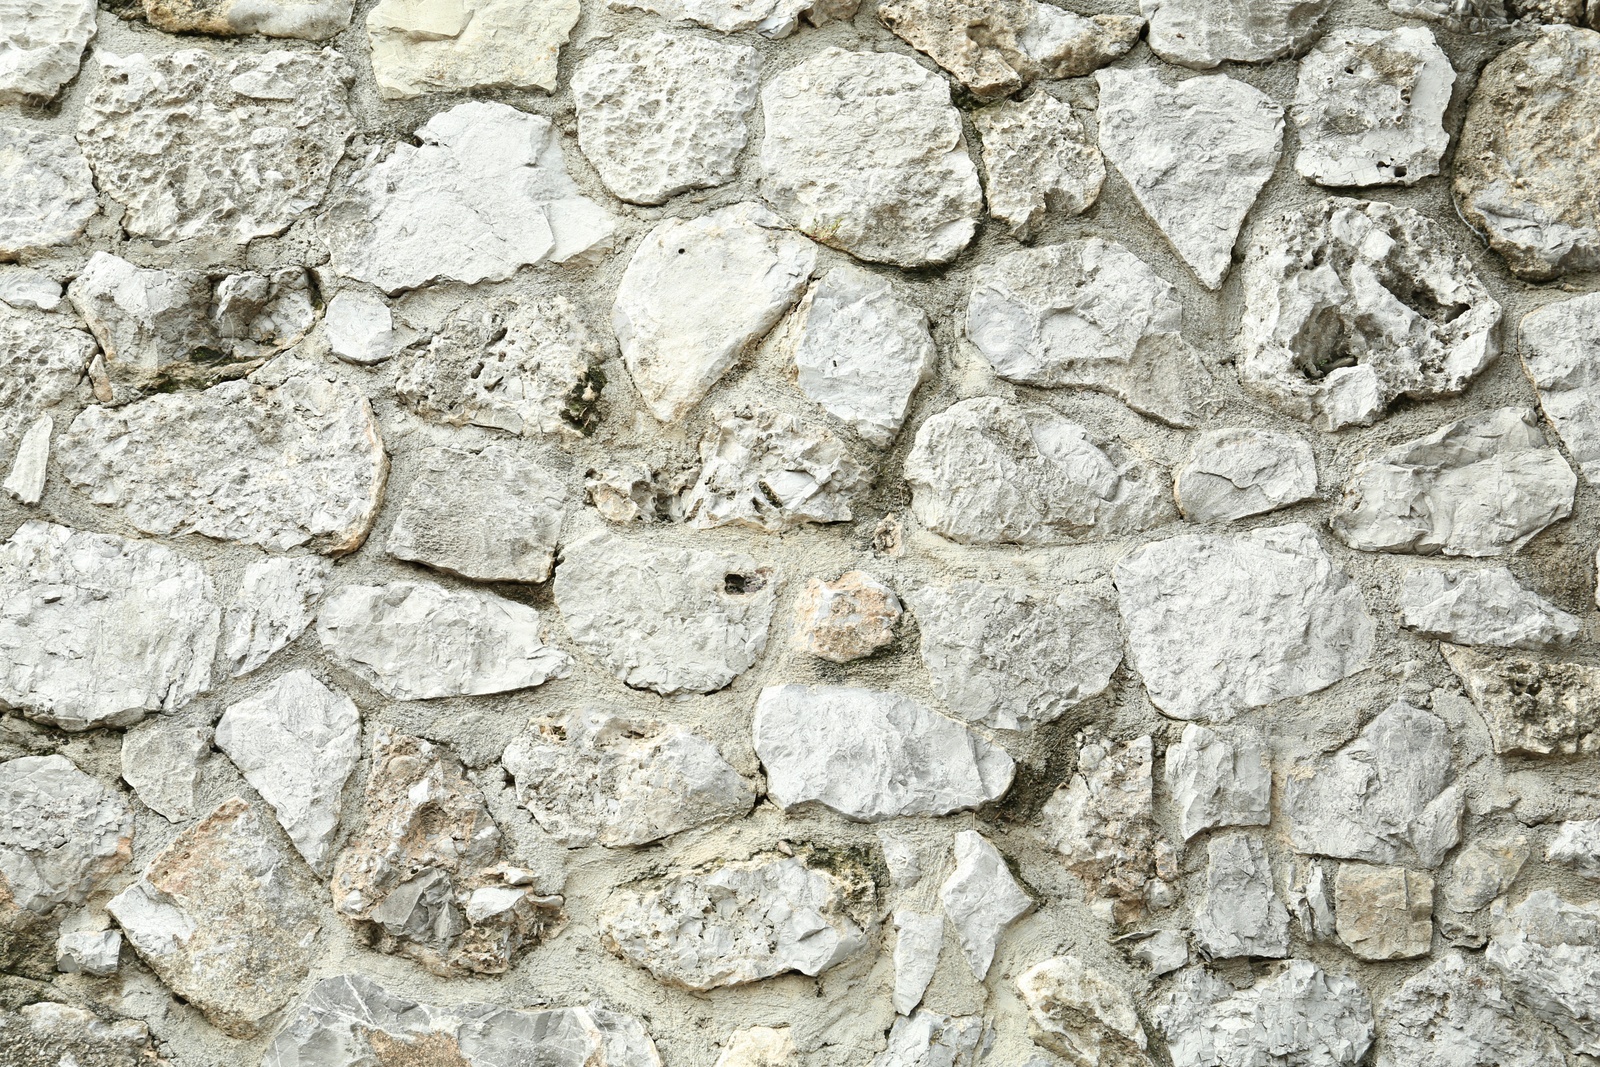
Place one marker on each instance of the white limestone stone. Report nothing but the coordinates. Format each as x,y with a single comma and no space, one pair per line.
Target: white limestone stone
1577,844
661,114
1455,1012
41,45
62,835
864,152
1217,781
25,483
193,145
485,193
360,328
758,1046
1038,161
1384,913
1532,707
162,760
919,936
1196,154
451,46
1240,471
981,899
990,471
665,619
928,1039
597,777
46,360
871,755
847,619
1239,913
24,288
770,18
765,469
1486,606
1297,1015
46,192
308,20
1219,623
420,641
1163,952
1561,354
697,294
91,952
1204,33
275,603
1485,485
1080,1014
1092,315
1548,950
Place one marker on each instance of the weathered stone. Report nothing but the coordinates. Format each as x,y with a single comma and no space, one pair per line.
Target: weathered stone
1351,304
258,315
994,49
1163,952
1079,1013
360,328
981,899
596,777
309,20
25,483
903,858
162,761
1012,657
46,192
765,469
1561,353
635,493
1482,607
62,834
420,641
1313,903
1577,844
1240,913
424,876
1548,949
1091,315
1215,781
276,465
24,287
758,1046
1455,1013
1523,173
918,939
1240,471
1196,154
991,471
928,1039
1038,160
225,917
1532,708
276,601
738,922
859,351
864,152
661,114
1221,623
1389,796
47,1034
1297,1016
46,359
697,294
41,45
91,952
99,630
1384,913
422,48
871,755
770,18
486,192
846,619
1204,33
195,145
1458,16
1484,870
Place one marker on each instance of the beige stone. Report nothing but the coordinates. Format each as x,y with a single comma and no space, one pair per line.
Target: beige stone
1383,913
446,46
846,619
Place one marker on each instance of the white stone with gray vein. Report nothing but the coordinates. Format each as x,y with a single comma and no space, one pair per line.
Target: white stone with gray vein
276,601
1236,472
1483,606
981,899
46,192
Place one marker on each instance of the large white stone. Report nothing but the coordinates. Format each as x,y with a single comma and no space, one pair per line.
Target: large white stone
420,47
46,193
41,44
769,18
62,835
1081,1014
1298,1016
1455,1013
1548,949
1205,33
1038,161
1561,354
276,600
162,761
46,361
1216,781
765,469
1239,913
1240,471
309,20
1487,606
981,899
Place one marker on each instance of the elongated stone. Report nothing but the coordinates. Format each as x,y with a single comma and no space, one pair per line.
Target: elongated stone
1487,606
1081,1014
918,939
25,483
1215,781
1548,950
1456,1012
470,44
308,20
276,602
1205,33
981,899
1237,472
45,1033
47,357
1560,351
770,18
1303,1015
41,45
1038,161
1532,707
46,192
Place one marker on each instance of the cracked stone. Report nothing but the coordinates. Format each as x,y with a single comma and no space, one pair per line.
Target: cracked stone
928,1039
1384,913
41,46
1080,1014
918,939
1483,871
1215,781
1548,950
46,192
1038,161
774,19
276,601
1295,1016
308,20
1560,353
846,619
1240,913
1486,606
162,761
1532,708
1455,1013
1205,33
764,469
46,361
1237,472
420,48
360,328
47,1034
981,899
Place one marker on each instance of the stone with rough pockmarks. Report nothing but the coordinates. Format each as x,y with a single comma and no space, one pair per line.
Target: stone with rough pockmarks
1038,160
1205,33
1218,781
1241,471
41,45
1577,844
47,1034
466,45
1219,623
1082,1015
661,114
46,193
1483,486
1090,315
847,619
276,601
1303,1015
697,294
1239,913
864,152
1487,606
666,619
1384,913
871,755
1561,354
929,1039
1532,708
1196,155
308,20
770,18
62,835
47,358
1548,950
765,469
162,761
1456,1013
981,899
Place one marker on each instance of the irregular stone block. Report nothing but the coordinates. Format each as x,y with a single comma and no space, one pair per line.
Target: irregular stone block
275,603
1163,952
25,483
918,939
161,760
1560,354
847,619
466,45
1455,1012
770,18
1577,844
1482,607
1303,1015
1079,1013
1204,33
1532,708
1548,950
42,42
928,1039
45,1034
981,899
46,359
309,20
1384,913
360,328
1217,782
62,836
1038,160
46,192
91,952
1483,871
1237,472
24,288
767,470
1239,913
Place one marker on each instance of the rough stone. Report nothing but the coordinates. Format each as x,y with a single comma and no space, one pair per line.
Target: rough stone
275,603
1196,154
1456,1013
634,493
597,777
62,834
47,1034
871,755
1523,173
308,20
421,641
25,483
1561,354
1458,16
918,939
864,152
1548,950
99,630
46,192
765,469
662,114
1384,913
1237,472
24,287
420,48
846,619
1484,870
758,1046
91,952
1205,33
198,146
424,876
485,193
46,359
1532,708
41,45
226,919
1038,161
770,18
1082,1015
1487,606
1012,657
1352,304
360,328
162,761
1163,952
1090,315
991,471
1577,844
928,1039
1215,781
1240,913
1296,1016
981,899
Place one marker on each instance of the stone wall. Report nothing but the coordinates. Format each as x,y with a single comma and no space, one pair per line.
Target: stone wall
935,533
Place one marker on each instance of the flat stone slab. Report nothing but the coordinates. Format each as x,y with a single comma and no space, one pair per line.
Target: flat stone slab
1561,355
470,45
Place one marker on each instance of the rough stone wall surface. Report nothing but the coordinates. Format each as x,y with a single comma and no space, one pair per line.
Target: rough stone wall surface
511,422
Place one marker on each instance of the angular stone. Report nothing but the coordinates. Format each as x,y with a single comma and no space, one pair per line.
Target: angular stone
1548,950
1237,472
864,152
1080,1014
661,114
596,777
421,641
758,1046
919,936
424,878
846,619
226,918
981,899
422,48
198,146
62,834
1484,870
1523,173
46,359
991,471
928,1039
41,45
697,294
1215,781
1196,154
308,20
276,601
1012,657
47,1034
161,760
1487,606
1090,315
1351,304
1204,33
1455,1013
99,630
1313,904
994,49
635,493
360,328
91,952
1384,913
871,755
903,858
485,193
1561,354
284,465
1298,1016
25,483
1221,623
46,192
258,315
1038,160
767,470
770,18
1389,796
665,619
1532,708
1240,913
1485,485
859,351
739,921
1577,844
